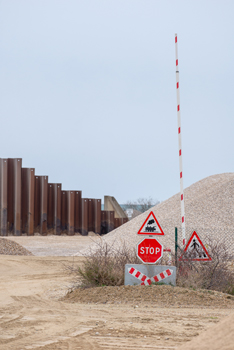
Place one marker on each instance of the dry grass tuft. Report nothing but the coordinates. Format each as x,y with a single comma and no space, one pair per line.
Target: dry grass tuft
104,266
217,274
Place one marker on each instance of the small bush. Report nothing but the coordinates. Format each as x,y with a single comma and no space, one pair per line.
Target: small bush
217,274
104,266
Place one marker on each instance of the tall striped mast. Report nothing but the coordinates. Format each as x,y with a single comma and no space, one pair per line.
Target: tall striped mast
179,141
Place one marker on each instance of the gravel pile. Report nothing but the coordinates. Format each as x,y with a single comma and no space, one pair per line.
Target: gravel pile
209,210
165,296
8,247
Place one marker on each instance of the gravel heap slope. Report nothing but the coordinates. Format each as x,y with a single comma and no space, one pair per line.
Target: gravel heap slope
160,295
8,247
209,209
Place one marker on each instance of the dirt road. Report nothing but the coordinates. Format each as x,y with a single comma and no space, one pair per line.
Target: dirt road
52,245
32,317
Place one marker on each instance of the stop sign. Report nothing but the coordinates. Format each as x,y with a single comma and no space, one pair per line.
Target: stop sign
149,250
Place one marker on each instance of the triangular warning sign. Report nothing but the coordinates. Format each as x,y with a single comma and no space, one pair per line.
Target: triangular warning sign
151,226
195,249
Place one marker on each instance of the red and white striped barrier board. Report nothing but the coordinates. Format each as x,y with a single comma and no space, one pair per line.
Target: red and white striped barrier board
160,276
179,141
146,280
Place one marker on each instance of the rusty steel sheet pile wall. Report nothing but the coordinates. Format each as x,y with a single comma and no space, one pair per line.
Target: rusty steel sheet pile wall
90,214
70,213
64,211
50,207
14,195
54,208
30,204
97,215
40,204
27,200
78,212
3,196
107,221
57,208
84,216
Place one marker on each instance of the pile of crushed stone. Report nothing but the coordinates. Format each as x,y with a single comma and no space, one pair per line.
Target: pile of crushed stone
8,247
160,295
209,210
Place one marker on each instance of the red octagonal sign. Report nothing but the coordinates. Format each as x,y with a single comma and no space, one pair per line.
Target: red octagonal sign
149,250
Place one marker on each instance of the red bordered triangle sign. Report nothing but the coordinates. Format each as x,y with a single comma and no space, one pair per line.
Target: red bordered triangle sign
195,249
151,226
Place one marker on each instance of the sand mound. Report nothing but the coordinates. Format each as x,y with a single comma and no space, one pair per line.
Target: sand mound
219,336
209,209
160,295
8,247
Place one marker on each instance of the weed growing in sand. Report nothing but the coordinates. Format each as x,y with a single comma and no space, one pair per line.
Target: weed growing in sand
217,274
103,266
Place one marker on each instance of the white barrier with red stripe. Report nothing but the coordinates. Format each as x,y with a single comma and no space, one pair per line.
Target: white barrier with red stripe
180,144
160,276
139,275
146,280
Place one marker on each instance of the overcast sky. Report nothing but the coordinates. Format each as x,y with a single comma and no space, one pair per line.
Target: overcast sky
88,94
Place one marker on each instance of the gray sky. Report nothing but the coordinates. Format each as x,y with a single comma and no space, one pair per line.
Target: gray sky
88,95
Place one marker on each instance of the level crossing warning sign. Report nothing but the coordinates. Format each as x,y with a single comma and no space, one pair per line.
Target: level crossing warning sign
151,226
195,249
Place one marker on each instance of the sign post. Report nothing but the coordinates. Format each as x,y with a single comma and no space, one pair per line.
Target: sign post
149,250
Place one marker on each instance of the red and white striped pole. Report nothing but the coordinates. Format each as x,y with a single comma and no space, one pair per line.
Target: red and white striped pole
179,139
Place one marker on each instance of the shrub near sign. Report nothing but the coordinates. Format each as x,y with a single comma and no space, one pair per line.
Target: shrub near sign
149,250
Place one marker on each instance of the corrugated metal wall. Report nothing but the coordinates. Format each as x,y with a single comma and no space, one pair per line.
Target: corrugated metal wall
30,204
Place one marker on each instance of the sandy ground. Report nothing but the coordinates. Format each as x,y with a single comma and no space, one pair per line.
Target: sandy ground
55,245
32,316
